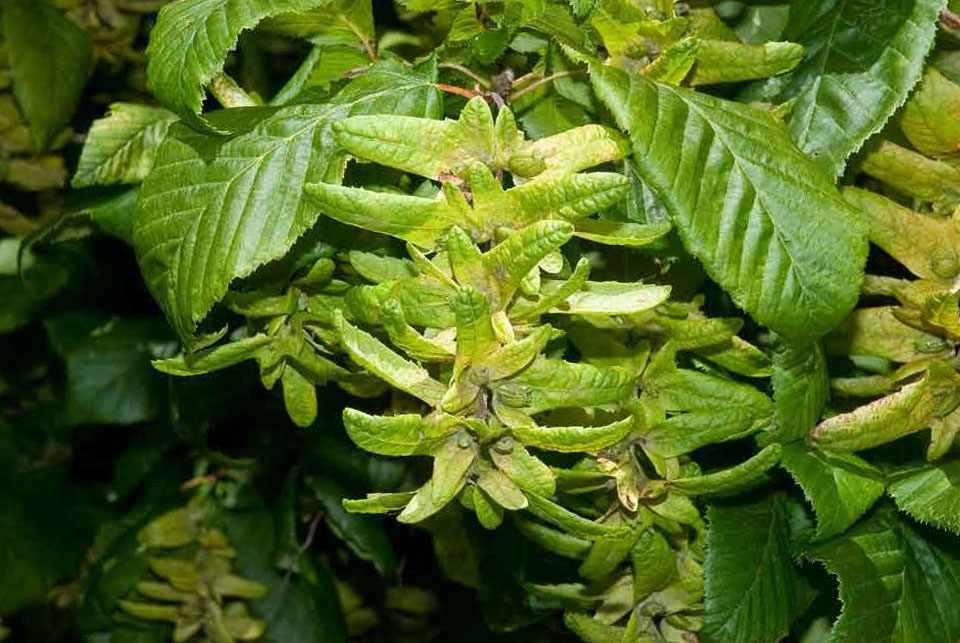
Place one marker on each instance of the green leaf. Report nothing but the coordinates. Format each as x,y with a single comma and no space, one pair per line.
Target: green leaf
475,335
451,463
422,221
428,148
732,480
379,503
499,487
377,268
513,357
570,522
794,268
121,147
364,535
702,409
753,590
407,434
322,66
407,339
911,409
607,554
929,493
895,584
913,174
619,233
50,58
592,630
720,61
189,46
553,540
931,118
510,261
299,396
608,298
552,384
370,353
340,22
213,359
528,471
801,388
466,261
109,378
673,64
928,246
553,293
862,61
425,303
411,218
568,197
489,513
739,356
654,563
578,148
876,331
573,439
215,208
840,487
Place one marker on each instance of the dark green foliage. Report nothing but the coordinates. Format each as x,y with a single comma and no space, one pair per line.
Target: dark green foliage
621,321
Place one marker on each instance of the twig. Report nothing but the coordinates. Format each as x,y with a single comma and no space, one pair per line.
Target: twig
483,82
543,81
453,89
950,20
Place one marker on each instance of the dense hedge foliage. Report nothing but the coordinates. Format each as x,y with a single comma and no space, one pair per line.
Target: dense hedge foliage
624,321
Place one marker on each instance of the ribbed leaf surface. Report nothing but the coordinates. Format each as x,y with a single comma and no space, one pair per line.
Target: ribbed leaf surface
863,57
121,147
753,590
765,221
896,584
215,208
191,40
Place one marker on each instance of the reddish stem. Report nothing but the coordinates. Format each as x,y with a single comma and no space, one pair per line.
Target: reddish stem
453,89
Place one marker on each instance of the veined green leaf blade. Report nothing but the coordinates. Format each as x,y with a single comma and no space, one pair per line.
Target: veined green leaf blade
372,354
840,487
396,435
570,522
769,227
732,480
190,42
573,439
215,208
929,493
862,60
895,583
411,218
49,58
801,388
753,589
213,359
721,61
121,147
911,409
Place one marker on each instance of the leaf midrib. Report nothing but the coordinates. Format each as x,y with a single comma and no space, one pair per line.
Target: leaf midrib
773,221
